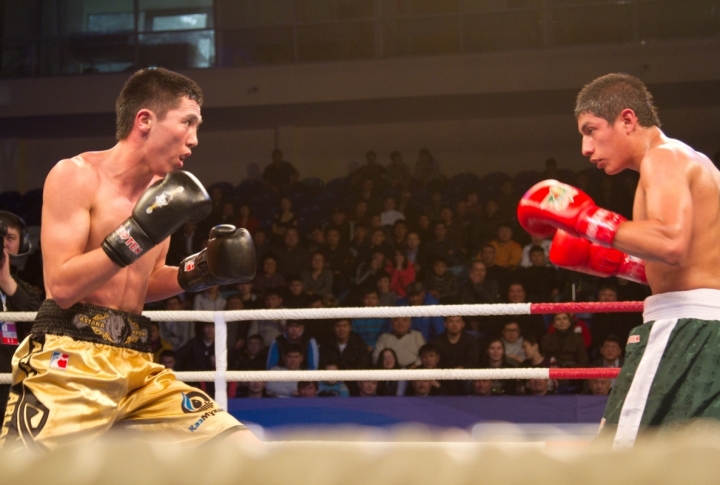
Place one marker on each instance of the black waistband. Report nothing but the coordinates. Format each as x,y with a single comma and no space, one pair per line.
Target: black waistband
96,324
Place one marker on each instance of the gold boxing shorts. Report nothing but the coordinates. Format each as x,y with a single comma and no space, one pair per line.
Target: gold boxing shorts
87,370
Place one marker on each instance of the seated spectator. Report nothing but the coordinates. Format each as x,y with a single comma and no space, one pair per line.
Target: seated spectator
425,388
398,173
359,239
495,358
367,388
332,388
347,350
508,201
176,333
503,276
168,359
209,300
508,253
317,240
427,169
529,324
370,328
405,342
294,335
386,297
296,296
424,228
283,220
430,359
339,223
442,247
478,288
245,219
401,272
370,171
617,324
455,229
599,387
399,234
579,327
279,175
390,215
429,327
610,353
268,277
414,251
539,387
254,356
339,260
269,330
370,194
486,226
482,387
376,244
236,330
539,279
199,354
457,349
292,258
533,357
293,359
307,389
565,346
360,216
441,283
157,344
512,340
262,245
545,244
387,359
248,296
253,390
319,280
368,273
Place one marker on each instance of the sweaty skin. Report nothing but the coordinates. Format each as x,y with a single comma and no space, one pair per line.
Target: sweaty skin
88,196
676,212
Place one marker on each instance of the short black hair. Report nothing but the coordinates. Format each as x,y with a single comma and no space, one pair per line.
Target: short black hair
608,95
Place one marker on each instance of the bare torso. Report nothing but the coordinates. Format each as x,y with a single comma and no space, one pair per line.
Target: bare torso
101,200
699,266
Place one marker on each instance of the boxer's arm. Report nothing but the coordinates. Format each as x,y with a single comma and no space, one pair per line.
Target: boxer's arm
163,281
71,273
664,234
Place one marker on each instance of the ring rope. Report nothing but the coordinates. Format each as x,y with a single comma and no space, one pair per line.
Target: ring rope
494,309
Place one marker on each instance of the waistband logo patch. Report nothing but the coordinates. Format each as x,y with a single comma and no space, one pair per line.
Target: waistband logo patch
112,328
59,361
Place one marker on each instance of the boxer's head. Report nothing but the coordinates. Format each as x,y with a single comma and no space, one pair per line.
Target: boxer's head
607,96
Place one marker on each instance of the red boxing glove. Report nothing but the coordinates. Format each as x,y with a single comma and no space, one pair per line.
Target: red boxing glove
551,205
579,254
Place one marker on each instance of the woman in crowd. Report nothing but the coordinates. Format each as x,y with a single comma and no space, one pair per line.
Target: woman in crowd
284,219
319,280
533,356
268,277
246,220
401,271
495,358
387,359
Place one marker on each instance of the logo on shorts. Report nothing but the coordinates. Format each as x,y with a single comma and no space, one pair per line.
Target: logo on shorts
112,327
59,361
195,402
634,339
559,197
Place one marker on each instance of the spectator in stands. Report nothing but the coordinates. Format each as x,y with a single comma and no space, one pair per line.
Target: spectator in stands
317,240
176,333
347,350
495,272
292,258
611,353
599,387
387,359
401,272
307,389
319,280
512,340
168,359
236,331
367,388
425,388
359,239
261,243
253,390
279,175
405,342
565,346
339,222
424,228
407,206
478,288
579,327
399,234
415,252
539,387
482,387
539,279
293,359
551,170
157,344
429,327
457,349
254,356
376,244
465,219
294,334
199,354
508,253
268,277
248,297
369,193
430,359
185,241
360,215
245,219
296,297
386,297
332,388
495,358
227,215
486,226
455,229
370,171
390,214
283,220
441,283
617,324
545,244
427,169
533,357
368,273
269,330
508,201
444,248
434,205
209,300
369,328
398,173
529,324
339,260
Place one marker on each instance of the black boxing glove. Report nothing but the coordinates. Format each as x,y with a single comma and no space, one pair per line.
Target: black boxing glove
164,207
229,258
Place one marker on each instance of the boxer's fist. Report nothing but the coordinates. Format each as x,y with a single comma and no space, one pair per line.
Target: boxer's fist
164,207
579,254
228,258
551,205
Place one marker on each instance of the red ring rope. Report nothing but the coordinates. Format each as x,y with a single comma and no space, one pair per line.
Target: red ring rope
593,373
587,307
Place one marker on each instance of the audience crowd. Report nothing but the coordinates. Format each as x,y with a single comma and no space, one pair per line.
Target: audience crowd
395,235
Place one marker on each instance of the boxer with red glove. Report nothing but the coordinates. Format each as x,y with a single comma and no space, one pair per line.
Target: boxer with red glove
550,205
579,254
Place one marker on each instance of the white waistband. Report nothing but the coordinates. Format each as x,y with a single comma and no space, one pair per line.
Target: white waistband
703,304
